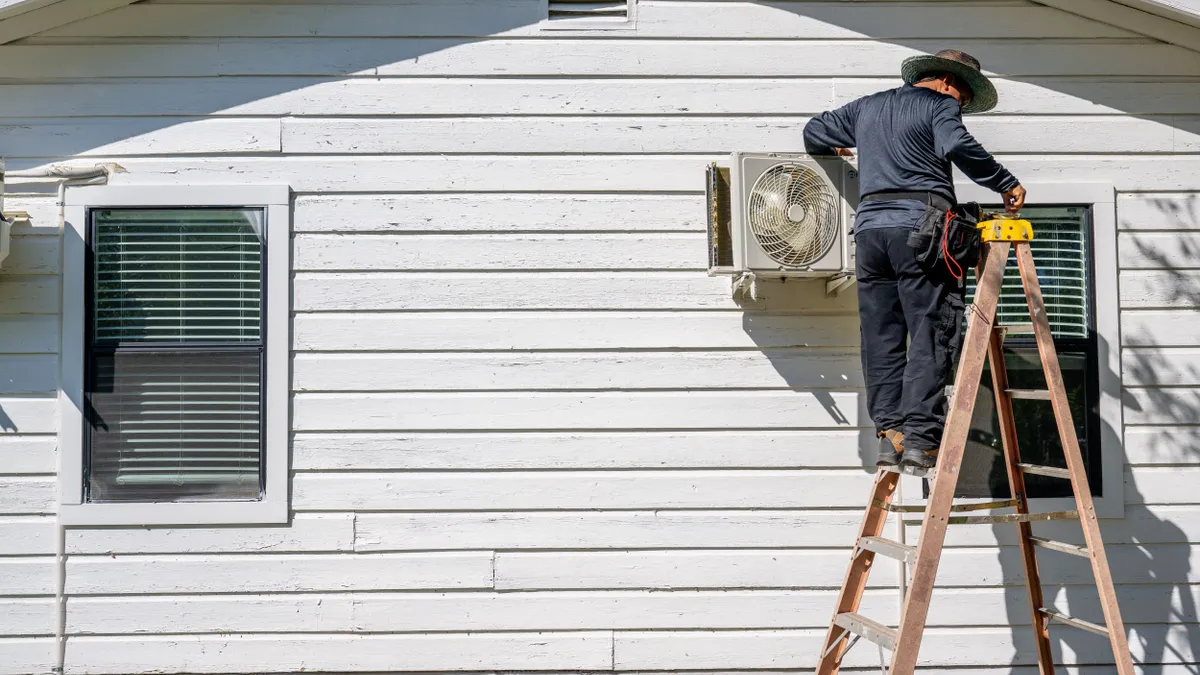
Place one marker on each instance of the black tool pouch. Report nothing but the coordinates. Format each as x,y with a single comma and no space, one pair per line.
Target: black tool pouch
926,238
947,241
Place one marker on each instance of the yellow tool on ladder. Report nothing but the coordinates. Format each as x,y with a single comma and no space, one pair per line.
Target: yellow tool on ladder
983,341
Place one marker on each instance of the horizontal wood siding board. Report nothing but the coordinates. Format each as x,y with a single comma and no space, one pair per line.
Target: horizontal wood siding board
138,136
532,331
1161,405
28,454
27,575
654,19
583,651
28,374
601,530
1162,485
772,369
1159,250
1179,211
31,414
27,495
582,173
579,490
30,294
558,57
1161,445
250,573
20,656
1145,366
26,617
812,569
1153,289
586,410
573,611
498,213
325,532
593,450
749,94
27,535
29,334
1165,328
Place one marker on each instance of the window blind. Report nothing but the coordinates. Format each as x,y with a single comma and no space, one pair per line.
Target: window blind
1060,245
175,374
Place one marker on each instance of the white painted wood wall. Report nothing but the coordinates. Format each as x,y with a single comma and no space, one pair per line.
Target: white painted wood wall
530,433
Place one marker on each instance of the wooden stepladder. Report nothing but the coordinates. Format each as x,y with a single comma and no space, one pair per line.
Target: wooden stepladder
983,341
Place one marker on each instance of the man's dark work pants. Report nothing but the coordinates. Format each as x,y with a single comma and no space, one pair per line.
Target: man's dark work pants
898,302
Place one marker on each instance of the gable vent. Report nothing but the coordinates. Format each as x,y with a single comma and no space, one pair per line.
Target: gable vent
617,10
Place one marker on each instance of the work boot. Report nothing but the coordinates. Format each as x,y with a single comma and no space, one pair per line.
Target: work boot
891,446
921,459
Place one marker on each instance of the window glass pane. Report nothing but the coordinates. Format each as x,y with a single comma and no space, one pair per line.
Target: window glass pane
177,275
1060,249
983,470
175,426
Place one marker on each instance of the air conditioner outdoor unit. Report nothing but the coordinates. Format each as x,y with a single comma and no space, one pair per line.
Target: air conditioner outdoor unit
777,215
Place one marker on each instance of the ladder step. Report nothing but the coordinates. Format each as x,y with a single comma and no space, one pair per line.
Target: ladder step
1029,394
1059,546
1006,518
1071,621
889,548
872,630
1051,471
1017,329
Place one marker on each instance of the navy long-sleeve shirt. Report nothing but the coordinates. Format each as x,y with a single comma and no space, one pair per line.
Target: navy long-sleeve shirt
907,139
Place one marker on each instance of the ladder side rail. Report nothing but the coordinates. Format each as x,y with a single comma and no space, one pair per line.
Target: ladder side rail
861,562
1016,485
1070,443
958,424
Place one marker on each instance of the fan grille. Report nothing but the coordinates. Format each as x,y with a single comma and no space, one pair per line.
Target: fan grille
792,211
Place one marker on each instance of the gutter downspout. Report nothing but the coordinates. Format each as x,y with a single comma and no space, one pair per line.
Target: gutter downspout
98,174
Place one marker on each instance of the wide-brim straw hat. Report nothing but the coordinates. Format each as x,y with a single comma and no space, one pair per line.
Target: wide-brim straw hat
964,66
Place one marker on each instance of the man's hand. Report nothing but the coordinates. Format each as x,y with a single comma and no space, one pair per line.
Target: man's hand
843,152
1014,199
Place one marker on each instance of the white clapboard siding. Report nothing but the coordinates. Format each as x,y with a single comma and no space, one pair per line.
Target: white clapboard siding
138,136
26,535
27,575
1159,250
453,331
1163,485
306,532
29,414
574,174
27,374
26,616
583,410
343,291
654,19
1166,328
498,213
815,568
27,495
794,369
285,653
602,530
249,573
27,334
30,254
594,450
1168,405
21,656
509,57
796,649
331,252
31,294
518,135
573,610
747,95
1161,366
662,489
27,454
1162,445
1179,211
1152,289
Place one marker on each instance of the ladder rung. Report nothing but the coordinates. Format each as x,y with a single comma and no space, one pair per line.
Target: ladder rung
1017,329
1051,471
1029,394
889,548
958,508
872,630
1059,546
1077,623
1006,518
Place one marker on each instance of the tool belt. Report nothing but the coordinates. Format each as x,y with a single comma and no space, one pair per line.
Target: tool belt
946,237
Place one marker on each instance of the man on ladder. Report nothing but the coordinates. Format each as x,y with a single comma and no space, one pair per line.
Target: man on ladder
907,138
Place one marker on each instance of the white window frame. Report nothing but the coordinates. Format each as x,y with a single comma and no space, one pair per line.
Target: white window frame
586,24
273,507
1102,198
